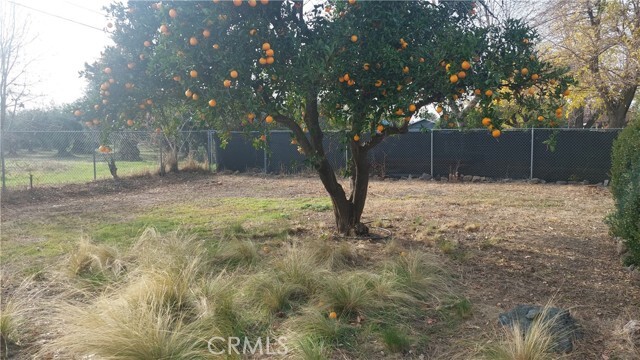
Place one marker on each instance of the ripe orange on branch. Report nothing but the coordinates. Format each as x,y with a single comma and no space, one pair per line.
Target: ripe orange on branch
226,83
486,121
465,65
453,78
212,103
233,74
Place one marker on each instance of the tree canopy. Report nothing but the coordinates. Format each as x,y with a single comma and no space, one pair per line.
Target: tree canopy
367,67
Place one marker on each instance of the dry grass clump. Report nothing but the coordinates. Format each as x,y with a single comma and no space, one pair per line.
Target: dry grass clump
177,294
95,262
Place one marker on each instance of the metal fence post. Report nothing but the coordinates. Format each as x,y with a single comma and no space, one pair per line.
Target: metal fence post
531,160
264,151
94,165
431,153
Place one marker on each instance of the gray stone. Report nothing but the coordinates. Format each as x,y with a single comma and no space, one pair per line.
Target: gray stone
507,180
585,182
467,178
409,177
563,327
476,179
425,177
621,247
534,181
632,329
444,179
561,182
605,183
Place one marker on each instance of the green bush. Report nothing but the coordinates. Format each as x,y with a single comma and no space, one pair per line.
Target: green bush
625,187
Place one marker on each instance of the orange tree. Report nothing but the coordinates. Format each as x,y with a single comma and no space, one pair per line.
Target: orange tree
366,66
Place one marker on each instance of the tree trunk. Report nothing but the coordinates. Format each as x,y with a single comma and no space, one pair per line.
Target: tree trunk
616,111
348,210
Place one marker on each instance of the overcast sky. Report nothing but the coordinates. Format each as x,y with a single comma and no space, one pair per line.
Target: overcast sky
67,33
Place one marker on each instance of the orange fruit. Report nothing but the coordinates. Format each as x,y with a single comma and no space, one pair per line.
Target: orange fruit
453,78
535,77
173,13
351,82
524,71
226,83
465,65
164,29
354,38
193,41
266,46
399,112
477,91
399,88
233,74
96,107
177,78
486,121
263,138
540,118
237,2
405,70
269,52
216,46
77,113
439,109
88,123
351,2
107,70
525,40
193,74
268,119
531,91
253,32
213,103
448,67
356,137
195,97
488,93
341,79
270,60
188,93
378,83
496,133
346,77
333,315
251,116
206,33
455,97
566,93
130,122
462,74
366,66
380,128
421,59
96,122
412,108
262,61
252,3
264,2
149,102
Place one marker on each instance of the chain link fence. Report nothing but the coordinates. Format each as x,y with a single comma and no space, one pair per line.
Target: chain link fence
37,159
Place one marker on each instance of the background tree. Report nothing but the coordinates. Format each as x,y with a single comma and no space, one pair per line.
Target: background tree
365,66
599,41
13,68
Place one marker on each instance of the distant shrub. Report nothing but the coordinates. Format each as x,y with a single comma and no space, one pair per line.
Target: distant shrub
625,187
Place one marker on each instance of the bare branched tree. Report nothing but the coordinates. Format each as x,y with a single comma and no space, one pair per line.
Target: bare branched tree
14,86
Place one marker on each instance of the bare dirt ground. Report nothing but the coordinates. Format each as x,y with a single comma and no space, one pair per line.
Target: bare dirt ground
508,244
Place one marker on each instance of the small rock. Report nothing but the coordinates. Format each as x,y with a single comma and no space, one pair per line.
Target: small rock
236,172
476,179
564,328
635,275
444,179
534,181
507,180
585,182
621,248
605,183
630,268
467,178
561,182
409,177
425,177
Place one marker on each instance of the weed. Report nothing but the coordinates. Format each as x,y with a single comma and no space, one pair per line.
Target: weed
395,339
